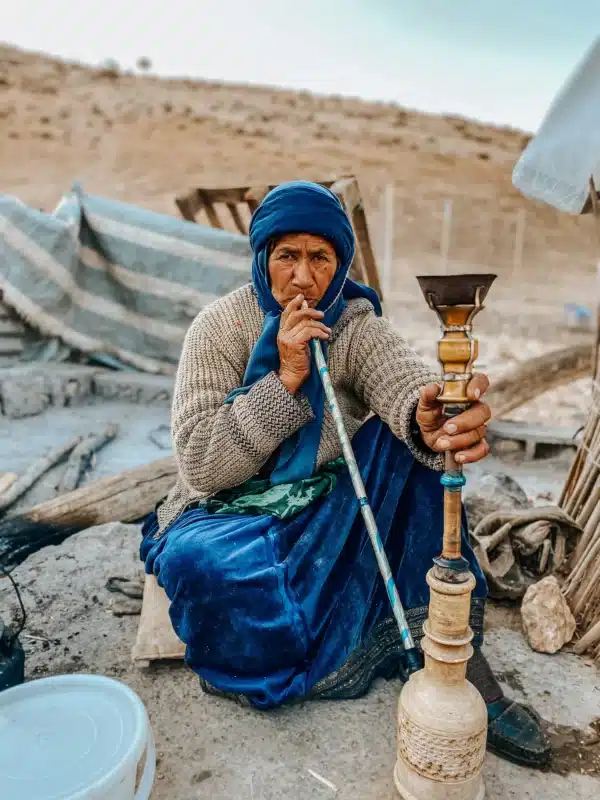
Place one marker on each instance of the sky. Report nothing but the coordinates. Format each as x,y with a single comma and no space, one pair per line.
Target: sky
499,61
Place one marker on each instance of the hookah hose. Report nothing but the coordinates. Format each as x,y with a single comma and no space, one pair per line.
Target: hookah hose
12,656
413,655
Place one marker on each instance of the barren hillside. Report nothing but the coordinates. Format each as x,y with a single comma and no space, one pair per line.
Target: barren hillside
144,137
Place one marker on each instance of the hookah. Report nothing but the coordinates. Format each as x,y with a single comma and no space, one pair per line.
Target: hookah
442,718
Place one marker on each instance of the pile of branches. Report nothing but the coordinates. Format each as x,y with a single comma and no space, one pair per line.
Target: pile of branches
581,500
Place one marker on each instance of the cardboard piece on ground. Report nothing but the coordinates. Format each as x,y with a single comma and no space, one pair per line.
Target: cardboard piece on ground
156,639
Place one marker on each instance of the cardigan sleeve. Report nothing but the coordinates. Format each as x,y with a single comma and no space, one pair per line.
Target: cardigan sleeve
218,445
388,376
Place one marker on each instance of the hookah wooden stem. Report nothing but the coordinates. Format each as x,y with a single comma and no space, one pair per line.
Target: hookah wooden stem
412,655
453,481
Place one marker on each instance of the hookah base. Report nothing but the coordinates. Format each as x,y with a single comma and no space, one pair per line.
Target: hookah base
442,732
422,788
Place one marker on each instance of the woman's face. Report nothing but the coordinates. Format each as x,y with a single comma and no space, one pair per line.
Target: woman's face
301,263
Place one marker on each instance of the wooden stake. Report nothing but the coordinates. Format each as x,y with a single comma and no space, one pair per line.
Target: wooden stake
35,471
446,230
388,240
519,243
81,456
581,499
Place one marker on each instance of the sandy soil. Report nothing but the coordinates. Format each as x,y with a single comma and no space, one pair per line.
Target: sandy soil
211,748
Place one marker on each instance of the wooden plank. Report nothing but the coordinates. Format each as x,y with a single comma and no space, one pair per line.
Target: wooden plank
531,435
11,327
364,267
361,230
254,196
532,432
349,193
236,217
538,375
223,195
211,212
35,471
189,205
126,497
193,200
344,190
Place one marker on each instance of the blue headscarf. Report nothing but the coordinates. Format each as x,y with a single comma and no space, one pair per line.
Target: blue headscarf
299,207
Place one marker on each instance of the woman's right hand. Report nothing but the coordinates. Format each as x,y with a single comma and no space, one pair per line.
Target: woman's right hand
299,324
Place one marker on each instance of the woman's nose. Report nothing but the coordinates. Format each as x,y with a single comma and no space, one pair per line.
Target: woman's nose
303,274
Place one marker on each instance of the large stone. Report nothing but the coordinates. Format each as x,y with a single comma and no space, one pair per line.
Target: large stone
135,387
28,390
547,619
487,493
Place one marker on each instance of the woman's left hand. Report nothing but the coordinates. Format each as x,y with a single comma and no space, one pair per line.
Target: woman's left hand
464,434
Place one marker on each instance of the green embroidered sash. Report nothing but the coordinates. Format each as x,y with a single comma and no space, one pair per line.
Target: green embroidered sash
256,496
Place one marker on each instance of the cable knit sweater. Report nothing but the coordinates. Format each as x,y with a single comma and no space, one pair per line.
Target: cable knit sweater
219,446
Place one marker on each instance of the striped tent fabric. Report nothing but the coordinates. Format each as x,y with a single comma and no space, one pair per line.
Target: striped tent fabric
112,279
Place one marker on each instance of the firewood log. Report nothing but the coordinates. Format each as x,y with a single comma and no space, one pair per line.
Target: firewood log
538,375
126,497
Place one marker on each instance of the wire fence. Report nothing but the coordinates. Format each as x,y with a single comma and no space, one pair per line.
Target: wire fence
546,263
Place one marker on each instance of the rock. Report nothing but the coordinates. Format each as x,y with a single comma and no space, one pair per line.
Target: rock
123,607
135,387
488,493
27,390
590,736
547,619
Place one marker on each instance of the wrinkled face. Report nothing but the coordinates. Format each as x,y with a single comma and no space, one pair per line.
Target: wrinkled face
301,263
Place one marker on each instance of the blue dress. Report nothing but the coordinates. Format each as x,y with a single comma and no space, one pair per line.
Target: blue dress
274,610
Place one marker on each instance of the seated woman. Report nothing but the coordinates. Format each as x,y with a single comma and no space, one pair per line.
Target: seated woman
261,546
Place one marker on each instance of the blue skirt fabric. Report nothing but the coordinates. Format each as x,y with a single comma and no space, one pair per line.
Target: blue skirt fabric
269,608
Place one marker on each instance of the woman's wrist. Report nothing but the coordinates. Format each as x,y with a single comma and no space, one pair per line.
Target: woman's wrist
290,382
416,432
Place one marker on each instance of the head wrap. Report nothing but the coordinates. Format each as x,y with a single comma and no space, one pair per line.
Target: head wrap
299,207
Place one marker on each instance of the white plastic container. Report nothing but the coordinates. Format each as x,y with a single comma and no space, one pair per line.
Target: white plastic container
75,737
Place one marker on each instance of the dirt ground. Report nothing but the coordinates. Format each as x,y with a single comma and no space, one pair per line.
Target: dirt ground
211,748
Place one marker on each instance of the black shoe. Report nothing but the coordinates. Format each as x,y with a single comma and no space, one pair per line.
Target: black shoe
515,734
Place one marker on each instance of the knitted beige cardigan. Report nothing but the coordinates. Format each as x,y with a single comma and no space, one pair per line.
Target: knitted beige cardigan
218,446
